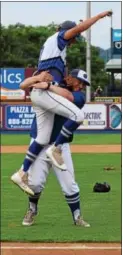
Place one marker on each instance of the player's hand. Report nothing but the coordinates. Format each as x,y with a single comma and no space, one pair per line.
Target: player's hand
106,13
40,85
44,76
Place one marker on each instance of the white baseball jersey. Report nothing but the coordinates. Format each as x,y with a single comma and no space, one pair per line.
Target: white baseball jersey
53,55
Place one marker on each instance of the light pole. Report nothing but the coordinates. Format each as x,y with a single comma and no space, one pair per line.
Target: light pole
111,41
88,53
111,56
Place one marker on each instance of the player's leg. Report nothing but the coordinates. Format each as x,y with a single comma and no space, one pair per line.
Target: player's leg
45,105
37,176
45,122
58,105
70,187
54,151
75,117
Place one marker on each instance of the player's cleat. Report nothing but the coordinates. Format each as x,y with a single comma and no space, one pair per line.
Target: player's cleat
29,218
55,155
81,222
16,178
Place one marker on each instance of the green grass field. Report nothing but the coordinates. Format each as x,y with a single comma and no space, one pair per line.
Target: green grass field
78,139
54,222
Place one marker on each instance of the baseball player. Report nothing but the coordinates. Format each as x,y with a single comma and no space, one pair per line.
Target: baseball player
66,94
46,104
40,169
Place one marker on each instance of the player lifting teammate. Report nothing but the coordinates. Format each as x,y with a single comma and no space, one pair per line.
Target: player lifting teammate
53,59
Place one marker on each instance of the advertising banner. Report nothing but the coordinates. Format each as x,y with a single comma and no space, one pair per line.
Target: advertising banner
18,117
1,116
95,117
108,100
10,79
115,116
117,41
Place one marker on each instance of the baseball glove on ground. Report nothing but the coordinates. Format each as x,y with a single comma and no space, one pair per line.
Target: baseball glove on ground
101,187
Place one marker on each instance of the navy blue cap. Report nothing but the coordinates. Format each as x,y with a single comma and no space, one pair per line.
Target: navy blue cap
66,25
81,75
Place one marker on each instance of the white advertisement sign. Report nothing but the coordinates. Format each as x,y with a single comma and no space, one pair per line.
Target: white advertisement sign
12,94
115,116
95,116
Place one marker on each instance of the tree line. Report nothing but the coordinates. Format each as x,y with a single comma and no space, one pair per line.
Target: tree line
21,46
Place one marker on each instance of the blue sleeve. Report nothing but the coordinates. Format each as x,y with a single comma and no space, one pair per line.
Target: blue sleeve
79,98
61,41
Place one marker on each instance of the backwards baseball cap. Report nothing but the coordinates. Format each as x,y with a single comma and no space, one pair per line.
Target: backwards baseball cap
81,75
66,25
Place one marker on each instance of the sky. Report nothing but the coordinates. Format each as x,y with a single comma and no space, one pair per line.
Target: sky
44,13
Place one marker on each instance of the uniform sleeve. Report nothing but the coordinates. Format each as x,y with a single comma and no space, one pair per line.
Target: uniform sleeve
79,99
61,41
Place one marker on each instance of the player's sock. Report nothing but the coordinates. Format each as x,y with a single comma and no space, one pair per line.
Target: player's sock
33,151
74,204
33,202
67,130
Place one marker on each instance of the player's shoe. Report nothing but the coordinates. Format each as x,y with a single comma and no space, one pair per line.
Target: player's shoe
81,222
55,155
28,219
16,178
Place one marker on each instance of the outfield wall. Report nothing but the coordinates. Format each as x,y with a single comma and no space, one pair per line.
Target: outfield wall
19,117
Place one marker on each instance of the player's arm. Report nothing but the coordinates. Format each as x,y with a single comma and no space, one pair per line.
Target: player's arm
28,82
55,89
79,98
62,92
43,76
71,33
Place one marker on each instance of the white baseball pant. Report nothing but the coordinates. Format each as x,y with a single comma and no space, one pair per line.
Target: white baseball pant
39,170
46,104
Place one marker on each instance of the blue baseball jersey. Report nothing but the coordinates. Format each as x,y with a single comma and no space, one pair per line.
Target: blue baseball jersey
53,56
79,100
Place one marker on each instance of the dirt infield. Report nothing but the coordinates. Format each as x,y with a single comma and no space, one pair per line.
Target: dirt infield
74,148
60,248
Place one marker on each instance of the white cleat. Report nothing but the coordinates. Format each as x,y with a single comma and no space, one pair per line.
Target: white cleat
55,155
29,218
81,222
18,181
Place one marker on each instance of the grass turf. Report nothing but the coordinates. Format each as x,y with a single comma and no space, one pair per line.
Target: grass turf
54,222
78,139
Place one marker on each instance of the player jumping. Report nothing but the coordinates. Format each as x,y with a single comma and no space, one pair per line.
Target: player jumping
53,58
